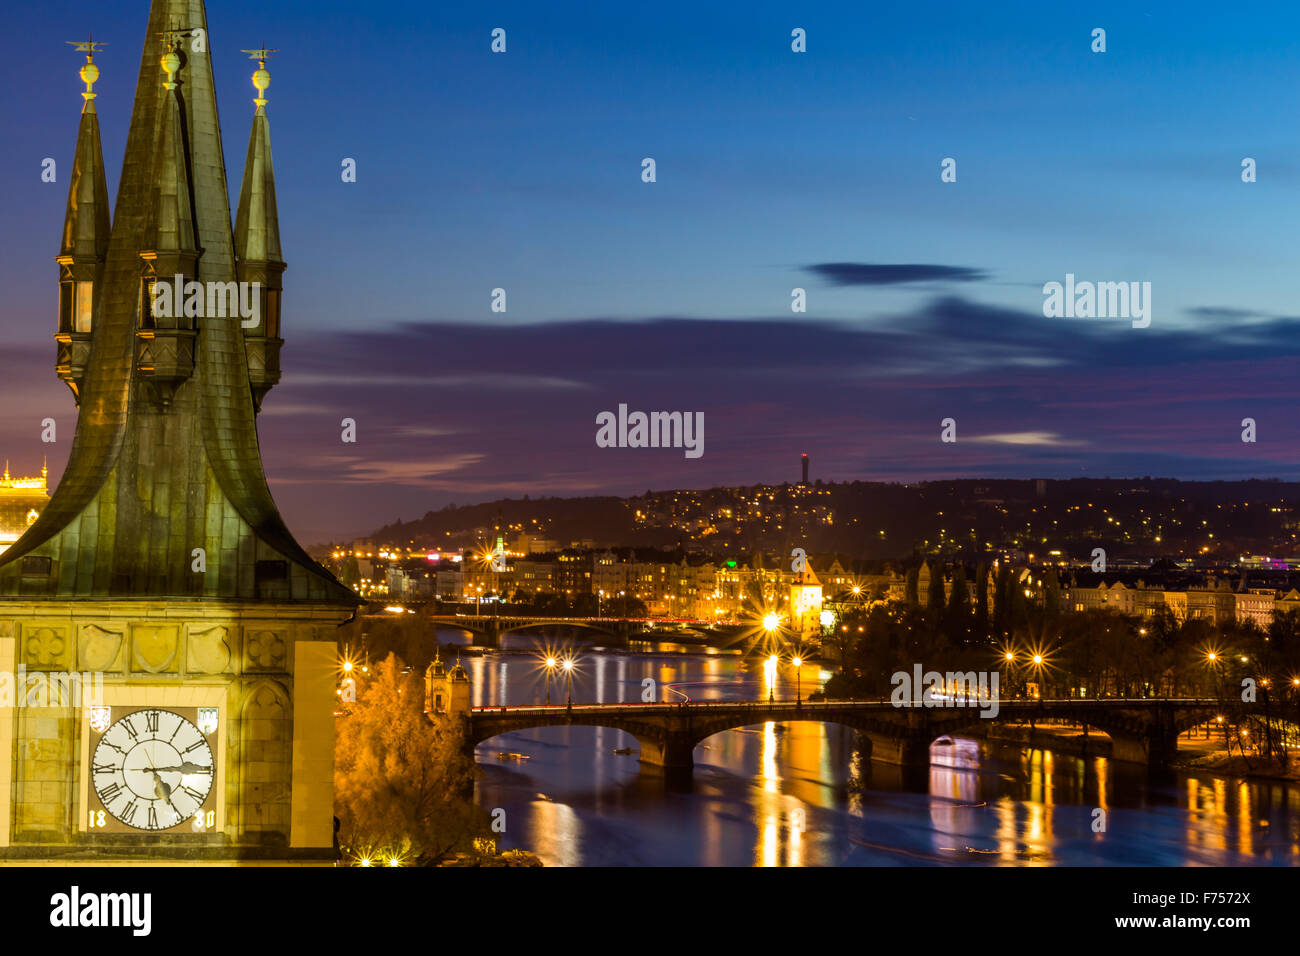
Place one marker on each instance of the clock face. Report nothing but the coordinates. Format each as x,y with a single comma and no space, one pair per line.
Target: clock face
152,770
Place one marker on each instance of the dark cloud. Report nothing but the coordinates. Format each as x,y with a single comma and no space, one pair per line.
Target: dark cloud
450,411
1223,312
866,273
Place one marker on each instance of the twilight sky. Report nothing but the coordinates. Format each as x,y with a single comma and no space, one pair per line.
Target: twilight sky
775,170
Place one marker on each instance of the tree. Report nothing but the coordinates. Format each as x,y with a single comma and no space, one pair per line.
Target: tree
935,597
911,595
350,572
401,780
957,617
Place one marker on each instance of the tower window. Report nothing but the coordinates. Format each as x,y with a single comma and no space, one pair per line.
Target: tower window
65,306
35,566
271,571
146,303
85,306
272,313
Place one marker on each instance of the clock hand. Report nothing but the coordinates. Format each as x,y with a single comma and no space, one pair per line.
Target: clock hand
186,767
164,793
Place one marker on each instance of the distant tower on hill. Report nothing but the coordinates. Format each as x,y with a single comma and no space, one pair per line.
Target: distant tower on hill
805,469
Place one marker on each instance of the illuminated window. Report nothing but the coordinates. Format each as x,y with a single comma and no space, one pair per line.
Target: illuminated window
85,302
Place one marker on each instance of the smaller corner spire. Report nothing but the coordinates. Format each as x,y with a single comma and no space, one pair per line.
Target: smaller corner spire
261,76
89,72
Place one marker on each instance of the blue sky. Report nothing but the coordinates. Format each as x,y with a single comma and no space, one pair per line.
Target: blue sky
522,170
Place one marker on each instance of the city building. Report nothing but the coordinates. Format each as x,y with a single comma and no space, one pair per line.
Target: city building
21,502
161,561
806,602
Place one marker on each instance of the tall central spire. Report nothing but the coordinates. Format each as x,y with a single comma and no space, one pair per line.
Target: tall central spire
165,459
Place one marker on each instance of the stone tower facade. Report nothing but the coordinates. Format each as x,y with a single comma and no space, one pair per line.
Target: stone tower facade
161,571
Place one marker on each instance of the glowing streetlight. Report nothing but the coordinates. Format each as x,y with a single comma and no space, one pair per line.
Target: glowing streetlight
550,669
798,681
567,664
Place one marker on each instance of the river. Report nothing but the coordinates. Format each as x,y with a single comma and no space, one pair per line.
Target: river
801,793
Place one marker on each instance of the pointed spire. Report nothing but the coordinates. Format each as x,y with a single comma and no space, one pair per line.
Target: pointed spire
257,221
86,221
167,442
171,224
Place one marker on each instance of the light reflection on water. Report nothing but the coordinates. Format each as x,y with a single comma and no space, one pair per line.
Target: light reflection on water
804,793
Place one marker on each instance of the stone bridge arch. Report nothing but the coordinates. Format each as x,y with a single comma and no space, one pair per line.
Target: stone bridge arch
669,733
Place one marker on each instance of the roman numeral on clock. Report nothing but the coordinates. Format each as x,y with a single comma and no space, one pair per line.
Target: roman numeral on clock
128,813
192,794
130,729
153,819
110,793
151,719
104,768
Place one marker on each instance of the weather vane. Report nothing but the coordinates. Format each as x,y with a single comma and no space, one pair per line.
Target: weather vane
89,72
174,36
261,78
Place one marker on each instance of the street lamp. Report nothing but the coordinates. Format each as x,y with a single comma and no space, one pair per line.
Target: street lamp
798,681
550,668
568,671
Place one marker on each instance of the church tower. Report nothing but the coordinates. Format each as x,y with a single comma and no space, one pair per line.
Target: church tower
175,646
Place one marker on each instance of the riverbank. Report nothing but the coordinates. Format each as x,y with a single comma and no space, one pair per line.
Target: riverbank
508,858
1194,754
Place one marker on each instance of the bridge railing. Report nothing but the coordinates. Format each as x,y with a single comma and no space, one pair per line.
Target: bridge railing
885,703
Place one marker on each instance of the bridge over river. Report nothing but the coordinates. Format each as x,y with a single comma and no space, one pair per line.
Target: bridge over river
488,628
1141,730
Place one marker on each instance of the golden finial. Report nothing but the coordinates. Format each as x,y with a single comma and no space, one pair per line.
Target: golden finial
89,72
45,467
261,78
171,60
6,469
